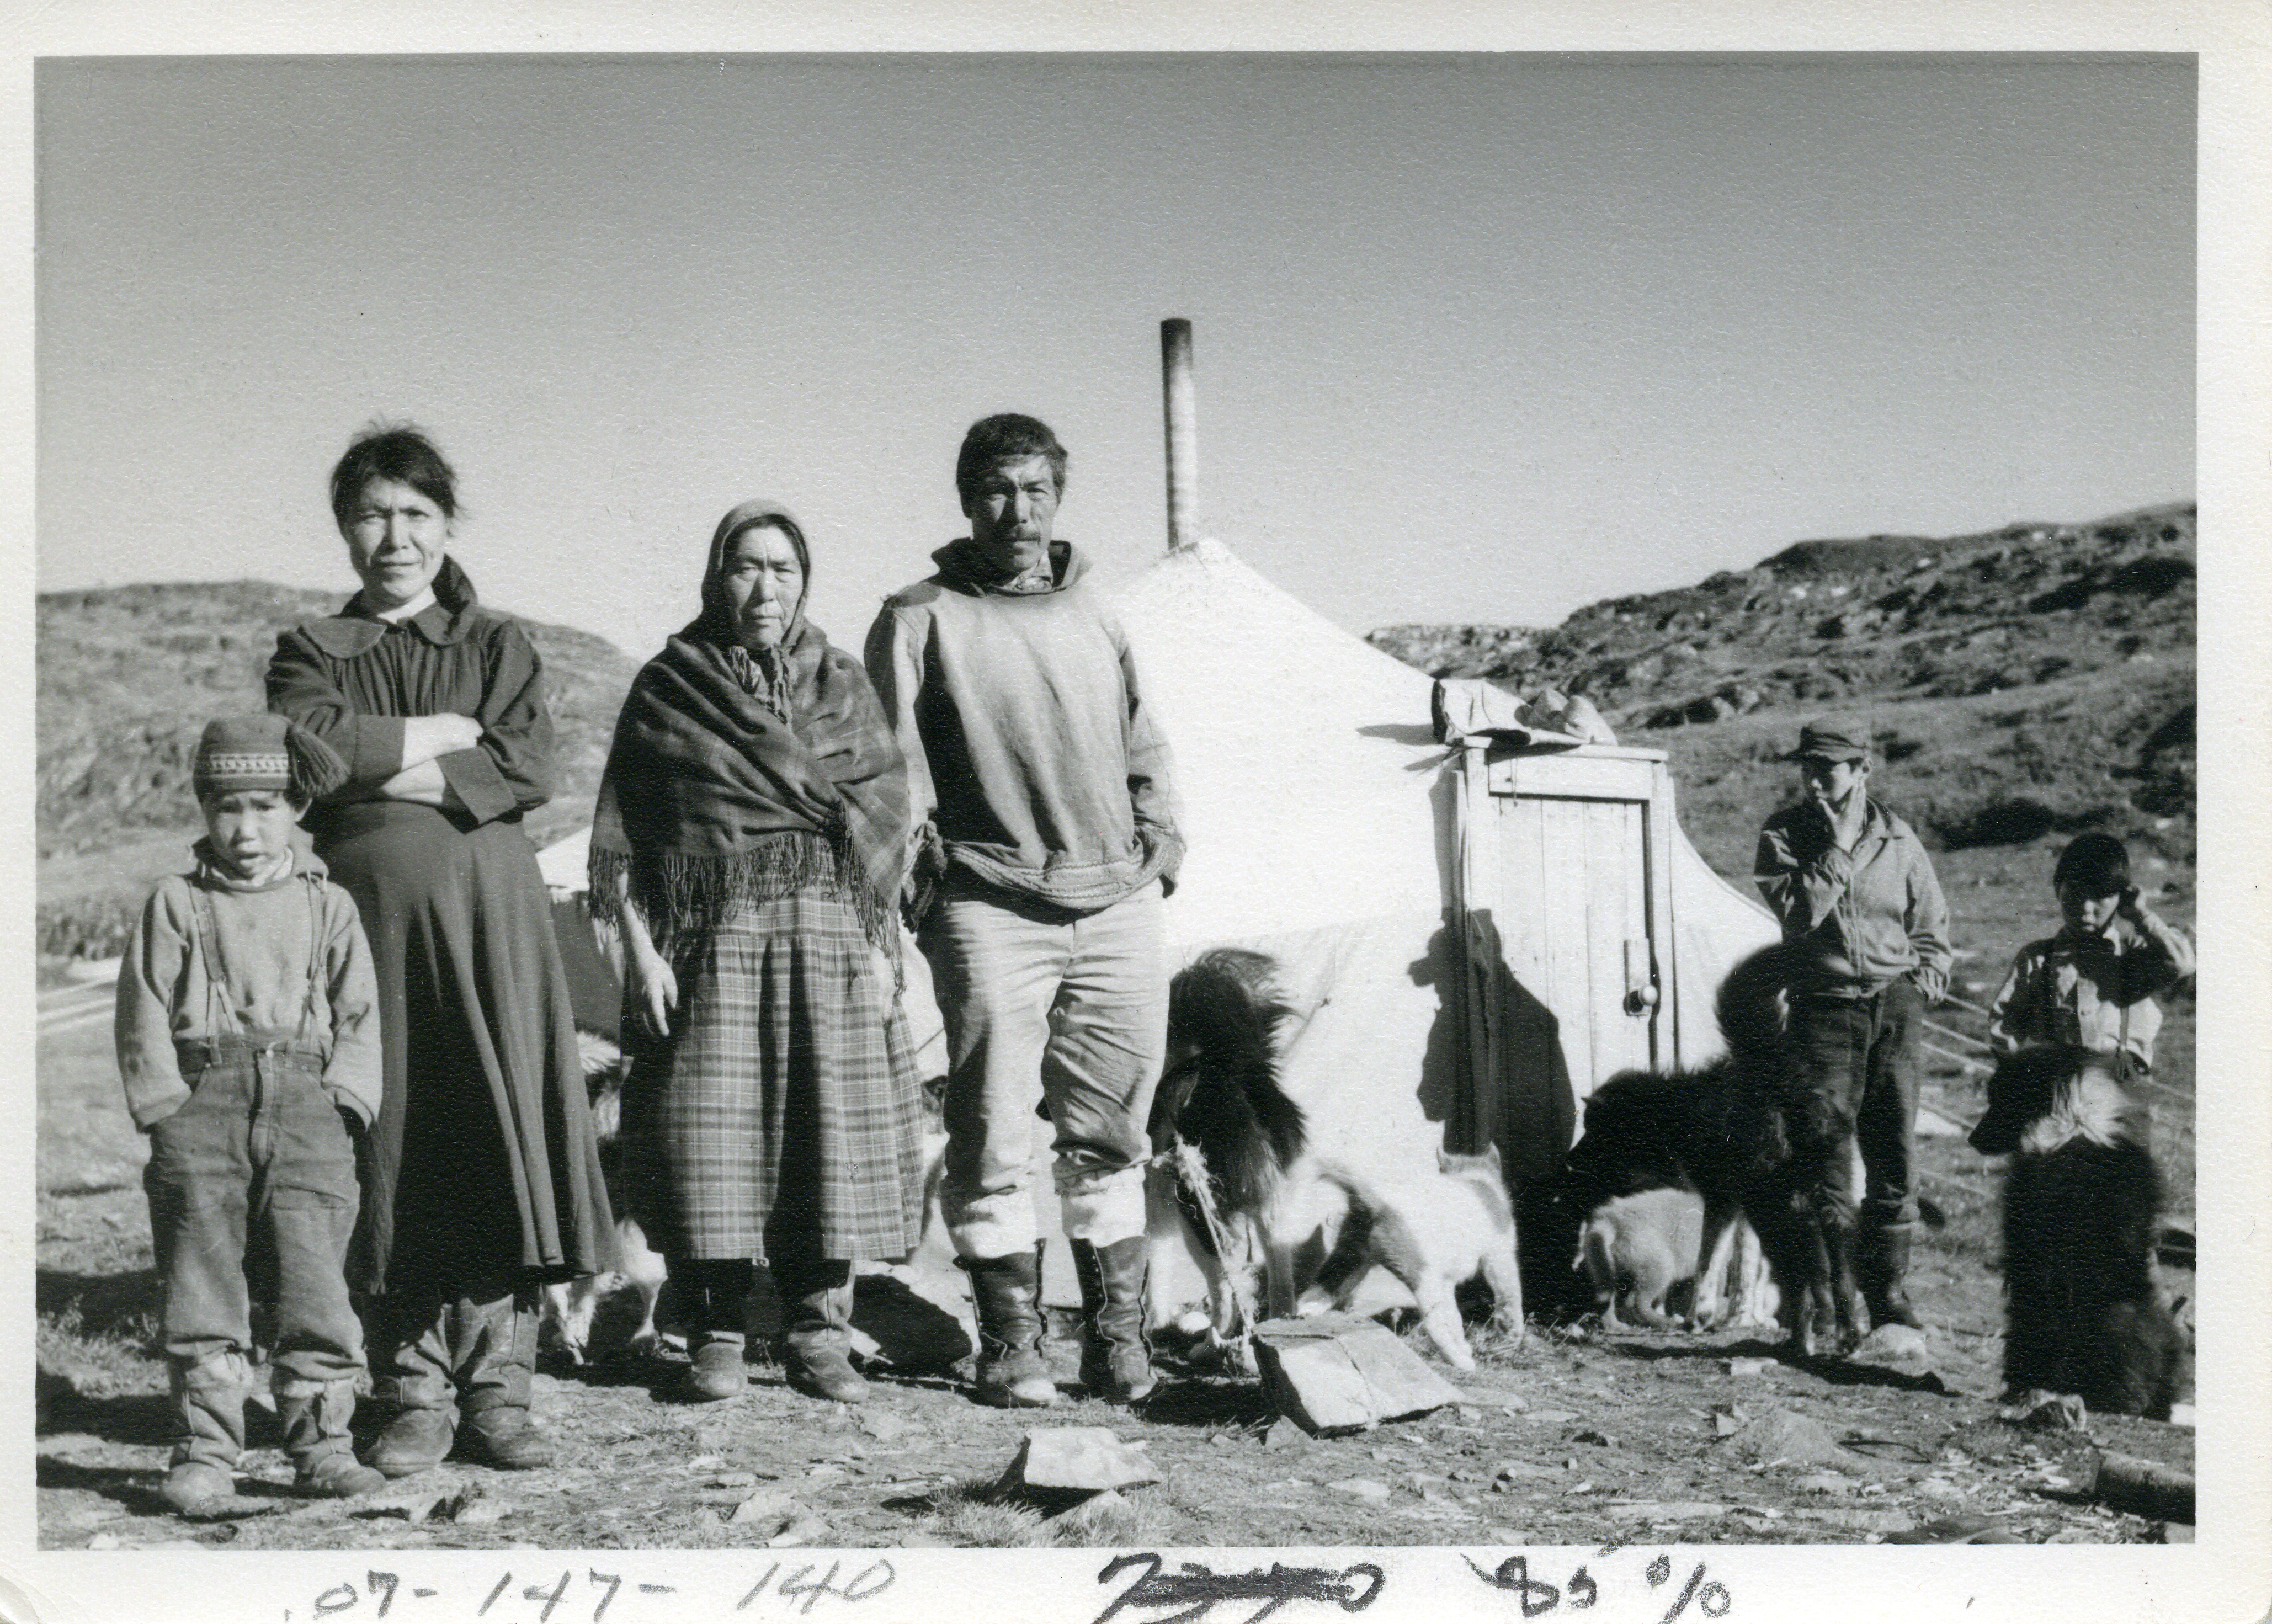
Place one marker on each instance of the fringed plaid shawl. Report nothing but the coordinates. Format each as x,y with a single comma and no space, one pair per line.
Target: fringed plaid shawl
710,798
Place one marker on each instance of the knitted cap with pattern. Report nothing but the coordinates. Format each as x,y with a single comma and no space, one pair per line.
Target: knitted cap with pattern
264,752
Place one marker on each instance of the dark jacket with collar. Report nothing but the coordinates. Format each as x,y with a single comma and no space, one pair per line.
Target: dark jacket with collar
459,657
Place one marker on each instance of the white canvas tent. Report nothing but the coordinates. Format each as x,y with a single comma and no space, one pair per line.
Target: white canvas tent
1319,814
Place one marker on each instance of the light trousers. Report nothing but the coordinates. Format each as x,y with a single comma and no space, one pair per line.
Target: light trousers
1070,1009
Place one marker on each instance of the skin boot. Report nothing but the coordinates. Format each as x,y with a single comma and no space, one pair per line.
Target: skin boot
715,1291
493,1384
817,1328
1884,1264
1007,1293
208,1401
1115,1363
315,1417
410,1378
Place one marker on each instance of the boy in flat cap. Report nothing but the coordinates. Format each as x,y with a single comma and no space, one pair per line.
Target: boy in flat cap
248,1041
1865,931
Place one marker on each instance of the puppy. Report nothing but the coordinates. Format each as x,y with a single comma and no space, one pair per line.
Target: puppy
1639,1249
569,1306
1433,1235
1740,1133
2086,1313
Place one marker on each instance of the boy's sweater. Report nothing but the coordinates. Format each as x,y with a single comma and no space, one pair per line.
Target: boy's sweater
2072,989
163,984
1026,739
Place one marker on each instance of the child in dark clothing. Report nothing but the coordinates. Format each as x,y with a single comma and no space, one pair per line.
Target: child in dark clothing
248,1041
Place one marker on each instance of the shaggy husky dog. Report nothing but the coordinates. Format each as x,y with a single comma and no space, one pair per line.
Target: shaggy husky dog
1234,1138
2087,1313
1738,1134
1258,1202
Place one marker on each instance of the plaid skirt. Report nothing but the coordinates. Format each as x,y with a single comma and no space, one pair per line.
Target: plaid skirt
787,1088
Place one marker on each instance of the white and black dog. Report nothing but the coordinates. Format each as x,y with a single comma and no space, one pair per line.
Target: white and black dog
2086,1311
1250,1188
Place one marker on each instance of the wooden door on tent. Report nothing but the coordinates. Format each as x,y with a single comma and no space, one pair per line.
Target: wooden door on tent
1565,894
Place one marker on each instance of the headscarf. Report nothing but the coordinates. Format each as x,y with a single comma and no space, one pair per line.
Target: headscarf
739,778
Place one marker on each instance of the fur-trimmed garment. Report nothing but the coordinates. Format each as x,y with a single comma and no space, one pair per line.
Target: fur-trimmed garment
2086,1310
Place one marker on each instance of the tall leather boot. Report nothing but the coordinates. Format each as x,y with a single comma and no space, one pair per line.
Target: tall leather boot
208,1401
499,1340
315,1417
1884,1265
411,1381
816,1297
1115,1362
716,1292
1006,1292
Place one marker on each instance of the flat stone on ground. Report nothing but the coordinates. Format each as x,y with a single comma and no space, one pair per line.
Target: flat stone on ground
1787,1435
1341,1373
1087,1458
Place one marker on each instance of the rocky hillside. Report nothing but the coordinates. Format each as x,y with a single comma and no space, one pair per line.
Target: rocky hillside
129,676
2022,681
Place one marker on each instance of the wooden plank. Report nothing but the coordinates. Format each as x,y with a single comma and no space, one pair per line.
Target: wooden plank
1602,1001
1563,897
1573,778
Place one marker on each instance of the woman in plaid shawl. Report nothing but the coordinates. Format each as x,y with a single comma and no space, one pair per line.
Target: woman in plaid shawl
750,837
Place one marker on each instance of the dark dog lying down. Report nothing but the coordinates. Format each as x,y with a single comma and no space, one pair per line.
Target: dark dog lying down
1731,1132
2086,1313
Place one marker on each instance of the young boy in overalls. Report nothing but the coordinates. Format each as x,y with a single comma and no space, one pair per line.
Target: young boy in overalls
248,1041
2091,987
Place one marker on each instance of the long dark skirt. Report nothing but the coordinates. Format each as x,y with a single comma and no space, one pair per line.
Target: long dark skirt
789,1082
482,1159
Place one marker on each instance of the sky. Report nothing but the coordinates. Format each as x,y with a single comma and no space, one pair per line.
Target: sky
1478,338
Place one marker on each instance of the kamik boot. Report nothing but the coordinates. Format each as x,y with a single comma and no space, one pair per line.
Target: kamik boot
817,1328
208,1403
1883,1265
493,1383
1006,1291
716,1293
1116,1364
315,1417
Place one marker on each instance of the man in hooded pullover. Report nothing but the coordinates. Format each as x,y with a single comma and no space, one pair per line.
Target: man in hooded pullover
1046,831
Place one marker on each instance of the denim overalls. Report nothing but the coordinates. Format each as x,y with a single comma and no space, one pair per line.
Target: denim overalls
257,1172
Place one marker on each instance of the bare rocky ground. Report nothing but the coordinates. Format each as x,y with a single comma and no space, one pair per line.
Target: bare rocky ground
1570,1438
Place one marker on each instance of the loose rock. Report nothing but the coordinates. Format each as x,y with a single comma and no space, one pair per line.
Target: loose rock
775,1504
1361,1488
1089,1459
1339,1373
